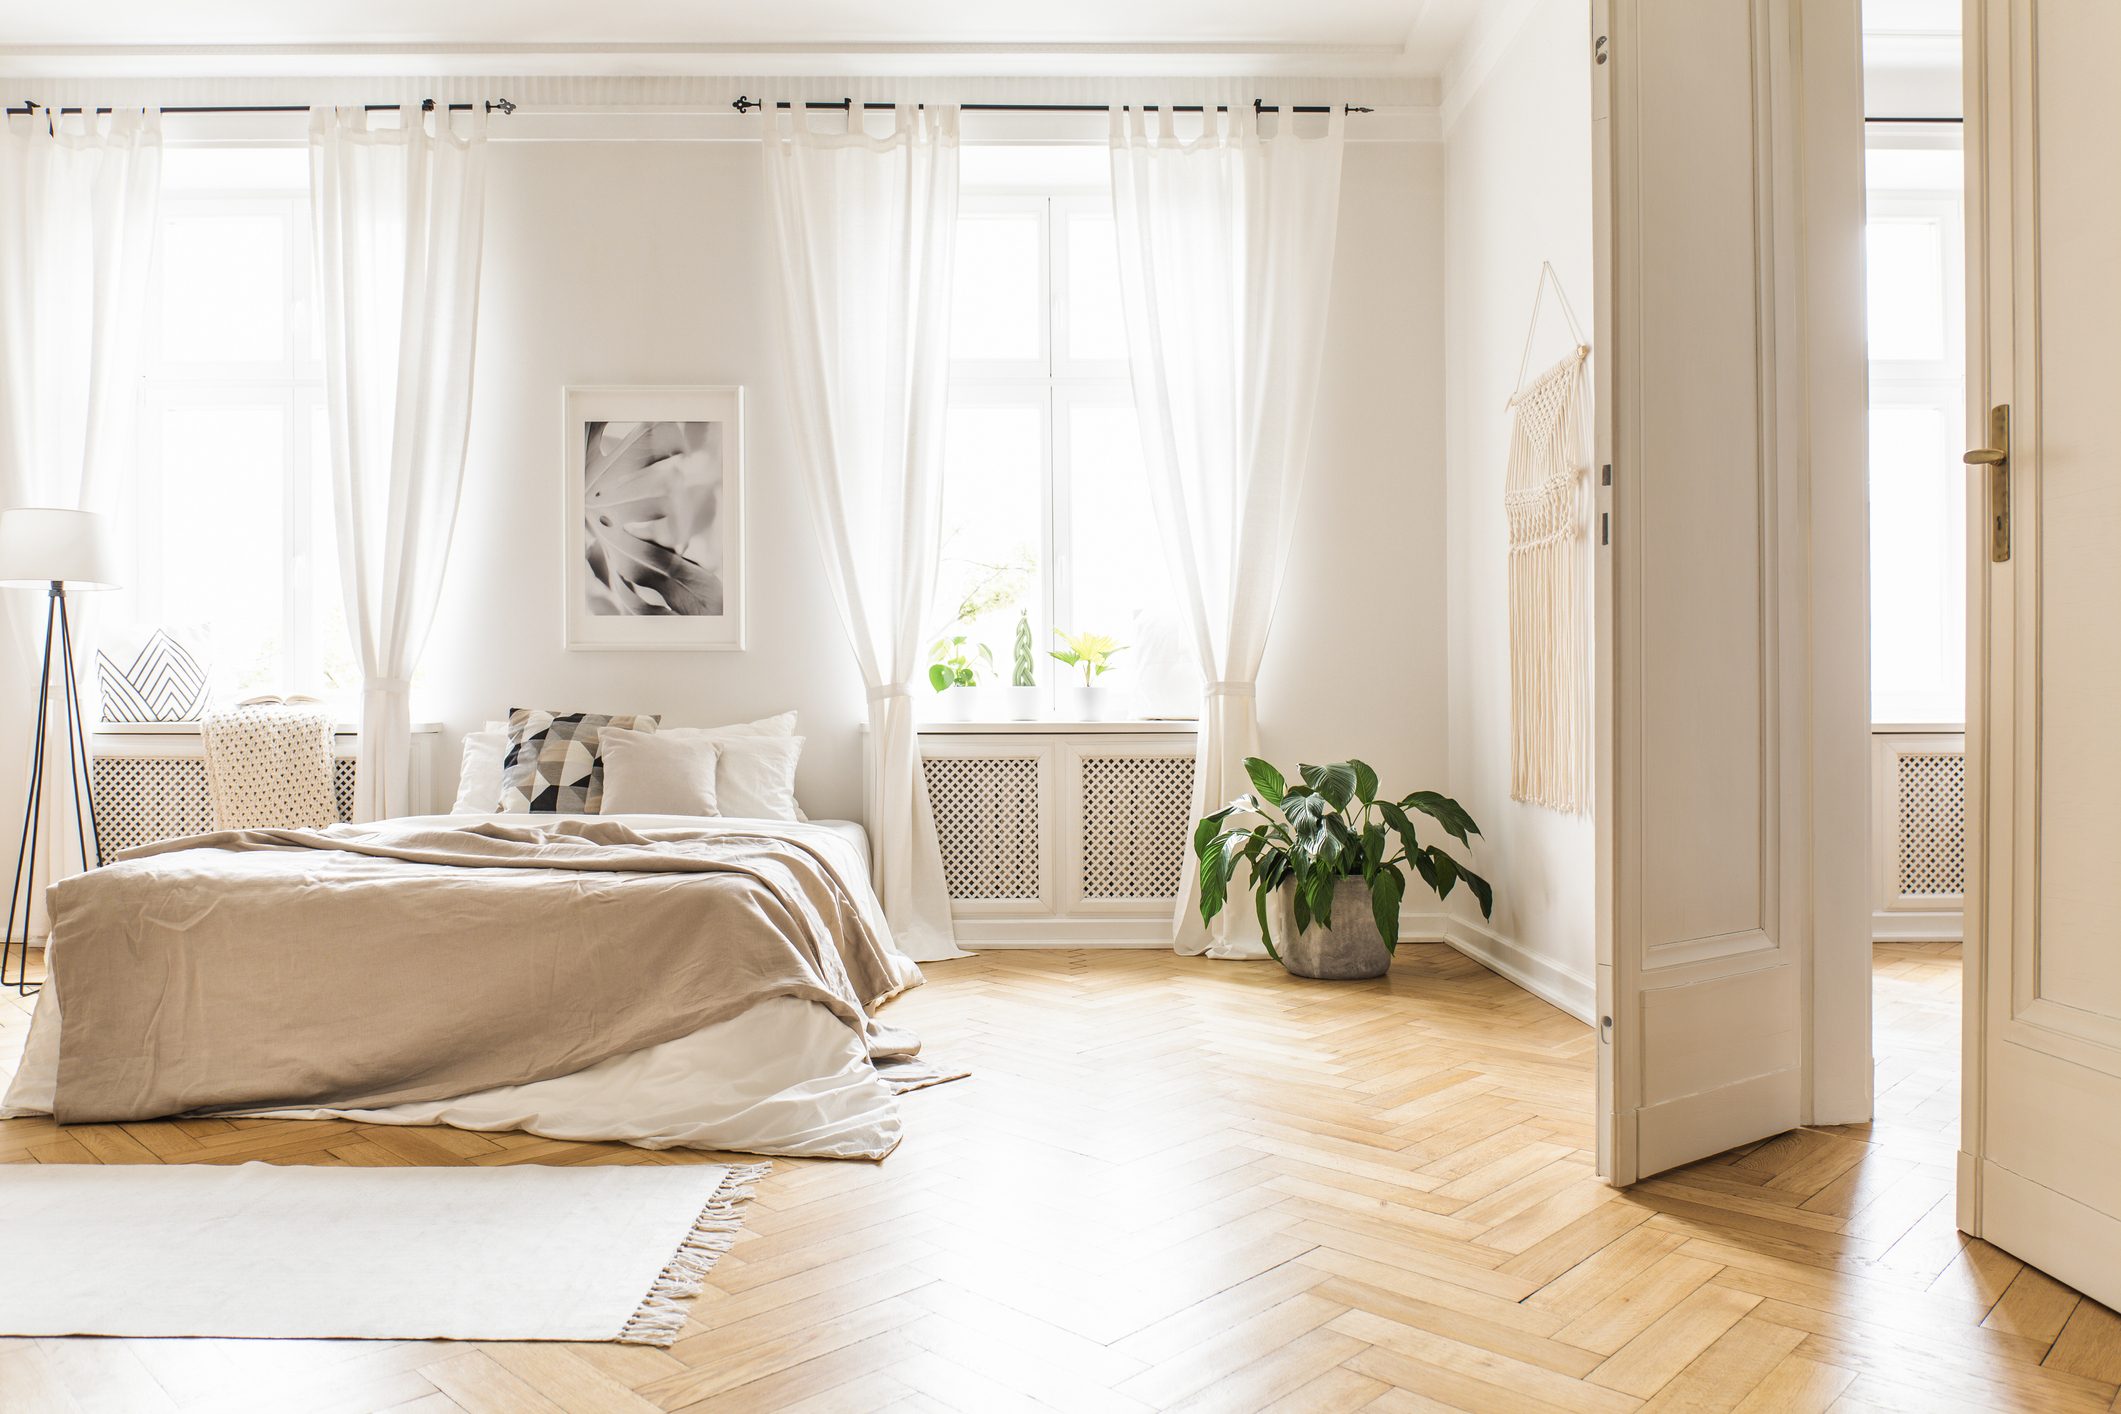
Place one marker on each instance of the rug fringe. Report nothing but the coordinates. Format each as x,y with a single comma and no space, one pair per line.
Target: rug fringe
659,1317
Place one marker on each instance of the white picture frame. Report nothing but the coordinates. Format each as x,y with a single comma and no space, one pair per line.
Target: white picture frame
683,446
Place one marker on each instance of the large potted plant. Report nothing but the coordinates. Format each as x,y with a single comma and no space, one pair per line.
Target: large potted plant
1328,859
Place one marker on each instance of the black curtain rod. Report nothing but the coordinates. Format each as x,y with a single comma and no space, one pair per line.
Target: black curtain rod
1914,120
427,105
744,104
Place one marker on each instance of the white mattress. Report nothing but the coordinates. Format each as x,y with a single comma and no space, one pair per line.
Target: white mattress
786,1077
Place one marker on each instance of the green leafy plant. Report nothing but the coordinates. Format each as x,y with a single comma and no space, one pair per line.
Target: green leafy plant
1026,674
1330,825
952,664
1092,652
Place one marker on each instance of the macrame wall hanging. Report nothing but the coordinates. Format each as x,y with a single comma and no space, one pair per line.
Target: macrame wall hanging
1545,499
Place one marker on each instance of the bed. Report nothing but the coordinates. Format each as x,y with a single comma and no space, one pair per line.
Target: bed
660,980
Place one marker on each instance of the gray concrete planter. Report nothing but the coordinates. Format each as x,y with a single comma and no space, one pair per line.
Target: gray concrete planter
1350,948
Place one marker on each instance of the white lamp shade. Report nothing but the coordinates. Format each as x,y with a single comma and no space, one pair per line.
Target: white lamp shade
39,544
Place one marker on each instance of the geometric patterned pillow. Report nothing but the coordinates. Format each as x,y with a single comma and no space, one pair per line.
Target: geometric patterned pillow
552,763
158,679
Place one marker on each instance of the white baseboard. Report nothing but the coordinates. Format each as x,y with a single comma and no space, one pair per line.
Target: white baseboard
978,933
1918,927
1551,983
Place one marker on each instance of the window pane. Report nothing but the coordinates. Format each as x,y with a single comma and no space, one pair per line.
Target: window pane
1116,559
999,288
222,537
1918,544
993,526
224,294
1905,274
1097,329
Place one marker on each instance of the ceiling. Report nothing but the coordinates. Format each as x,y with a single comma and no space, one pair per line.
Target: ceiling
1382,37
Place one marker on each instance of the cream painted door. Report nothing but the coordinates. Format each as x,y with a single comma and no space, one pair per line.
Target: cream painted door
1710,669
2040,1161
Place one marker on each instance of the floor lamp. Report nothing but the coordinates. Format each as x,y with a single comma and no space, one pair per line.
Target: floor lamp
53,550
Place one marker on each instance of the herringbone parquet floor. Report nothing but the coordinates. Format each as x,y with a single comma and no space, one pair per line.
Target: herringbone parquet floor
1181,1184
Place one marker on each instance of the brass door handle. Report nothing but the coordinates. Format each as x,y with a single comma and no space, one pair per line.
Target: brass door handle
1998,461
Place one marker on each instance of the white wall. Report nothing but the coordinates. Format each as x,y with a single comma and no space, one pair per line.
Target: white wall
1356,663
648,263
1517,191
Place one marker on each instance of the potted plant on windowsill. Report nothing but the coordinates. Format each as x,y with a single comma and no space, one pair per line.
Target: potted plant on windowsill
1328,860
1092,653
954,667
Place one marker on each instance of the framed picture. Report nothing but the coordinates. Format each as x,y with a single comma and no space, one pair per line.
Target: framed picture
655,517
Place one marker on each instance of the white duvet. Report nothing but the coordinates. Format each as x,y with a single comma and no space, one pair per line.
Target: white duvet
786,1077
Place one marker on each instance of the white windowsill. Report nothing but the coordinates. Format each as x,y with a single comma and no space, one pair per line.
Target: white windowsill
1136,726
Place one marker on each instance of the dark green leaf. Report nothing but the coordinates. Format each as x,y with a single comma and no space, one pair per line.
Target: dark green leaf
1401,825
1374,850
1266,934
1265,779
1481,891
1303,907
1210,825
1365,782
1445,812
1446,873
1322,887
1335,781
1213,882
1390,887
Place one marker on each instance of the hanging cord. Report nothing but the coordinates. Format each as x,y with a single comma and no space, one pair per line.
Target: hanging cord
1583,348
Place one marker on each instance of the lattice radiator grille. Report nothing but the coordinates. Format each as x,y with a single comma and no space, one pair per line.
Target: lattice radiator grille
142,799
1932,803
1137,814
987,820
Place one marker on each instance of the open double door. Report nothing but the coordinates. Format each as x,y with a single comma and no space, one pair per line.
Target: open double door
1734,958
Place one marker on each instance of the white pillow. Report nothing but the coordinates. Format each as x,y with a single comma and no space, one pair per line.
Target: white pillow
479,775
754,777
780,725
657,773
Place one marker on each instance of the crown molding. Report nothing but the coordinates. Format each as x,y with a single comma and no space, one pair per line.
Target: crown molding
657,58
1494,30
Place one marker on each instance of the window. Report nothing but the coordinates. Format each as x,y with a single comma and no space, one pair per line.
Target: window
1046,515
232,533
1917,323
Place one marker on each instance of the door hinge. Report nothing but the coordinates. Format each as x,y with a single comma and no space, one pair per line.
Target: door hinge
1997,458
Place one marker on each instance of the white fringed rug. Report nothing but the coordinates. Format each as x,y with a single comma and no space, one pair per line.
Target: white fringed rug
504,1253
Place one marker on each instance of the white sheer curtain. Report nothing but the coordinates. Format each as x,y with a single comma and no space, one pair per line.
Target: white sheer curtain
865,226
78,194
397,201
1226,257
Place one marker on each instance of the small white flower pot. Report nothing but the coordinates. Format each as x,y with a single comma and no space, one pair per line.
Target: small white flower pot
1077,703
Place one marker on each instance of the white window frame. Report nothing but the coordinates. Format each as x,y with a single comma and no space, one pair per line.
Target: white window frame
1052,383
293,384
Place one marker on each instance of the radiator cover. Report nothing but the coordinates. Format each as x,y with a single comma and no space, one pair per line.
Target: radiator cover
1061,837
142,799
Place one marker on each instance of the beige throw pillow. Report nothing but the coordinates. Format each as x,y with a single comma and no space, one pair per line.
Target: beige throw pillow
657,773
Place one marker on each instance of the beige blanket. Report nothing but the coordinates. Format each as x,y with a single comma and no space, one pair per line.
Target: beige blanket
363,966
